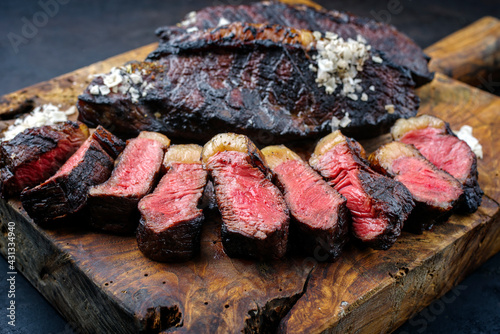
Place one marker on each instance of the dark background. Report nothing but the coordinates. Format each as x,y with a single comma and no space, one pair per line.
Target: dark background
79,33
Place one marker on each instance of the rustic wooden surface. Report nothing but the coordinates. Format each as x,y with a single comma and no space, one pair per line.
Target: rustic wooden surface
103,283
470,55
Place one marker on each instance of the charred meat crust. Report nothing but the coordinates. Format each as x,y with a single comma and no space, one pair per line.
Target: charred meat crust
66,194
176,244
273,247
111,144
269,90
36,154
399,48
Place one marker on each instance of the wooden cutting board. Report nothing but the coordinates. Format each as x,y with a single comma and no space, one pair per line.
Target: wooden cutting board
103,284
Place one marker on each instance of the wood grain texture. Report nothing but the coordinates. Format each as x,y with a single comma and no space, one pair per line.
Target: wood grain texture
471,55
104,284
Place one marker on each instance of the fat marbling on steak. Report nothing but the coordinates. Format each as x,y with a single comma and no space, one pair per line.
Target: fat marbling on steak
397,46
256,80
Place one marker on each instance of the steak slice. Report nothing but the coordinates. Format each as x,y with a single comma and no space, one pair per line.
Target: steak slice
113,204
398,47
35,154
434,191
379,205
171,219
320,218
66,191
435,140
254,214
252,79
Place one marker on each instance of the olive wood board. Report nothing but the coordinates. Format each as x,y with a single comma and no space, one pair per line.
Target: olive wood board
102,283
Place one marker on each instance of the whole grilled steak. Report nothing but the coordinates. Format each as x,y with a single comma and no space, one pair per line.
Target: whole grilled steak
254,214
36,153
398,47
113,204
170,225
66,191
435,140
434,191
257,80
320,218
379,205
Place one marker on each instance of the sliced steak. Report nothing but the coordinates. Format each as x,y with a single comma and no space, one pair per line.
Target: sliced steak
434,191
66,191
399,48
320,218
435,140
113,204
36,154
171,219
255,217
252,79
379,205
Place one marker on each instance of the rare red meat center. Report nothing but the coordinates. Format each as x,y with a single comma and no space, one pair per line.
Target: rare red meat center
442,150
113,204
424,183
250,196
305,192
175,197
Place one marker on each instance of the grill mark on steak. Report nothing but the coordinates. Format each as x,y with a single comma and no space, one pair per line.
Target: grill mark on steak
66,191
254,214
36,153
379,205
186,104
434,191
436,141
113,204
171,217
320,218
398,47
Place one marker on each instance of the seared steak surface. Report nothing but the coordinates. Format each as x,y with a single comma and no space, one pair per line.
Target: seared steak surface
255,217
170,225
66,191
379,205
36,154
113,204
400,49
435,191
320,219
254,80
435,140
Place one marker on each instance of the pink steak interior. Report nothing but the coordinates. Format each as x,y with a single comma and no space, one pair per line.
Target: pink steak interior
251,201
425,183
445,151
308,196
